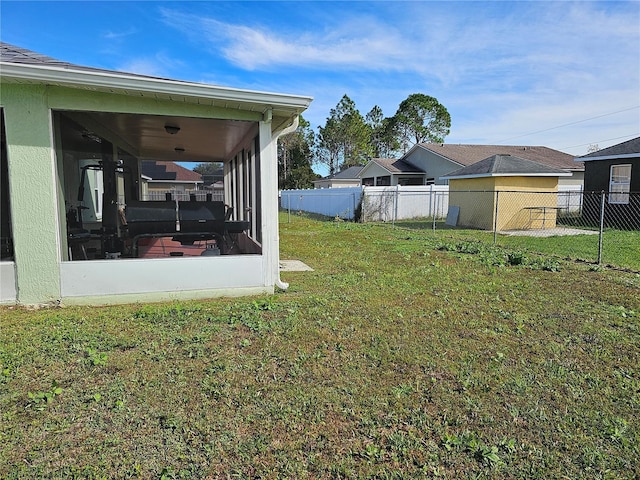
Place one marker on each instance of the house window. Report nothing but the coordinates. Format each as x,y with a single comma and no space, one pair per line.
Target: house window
383,181
430,181
620,184
367,182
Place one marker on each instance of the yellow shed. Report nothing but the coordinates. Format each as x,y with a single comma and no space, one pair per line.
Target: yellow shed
505,192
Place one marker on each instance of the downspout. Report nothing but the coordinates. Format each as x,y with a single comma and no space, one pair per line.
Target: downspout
290,129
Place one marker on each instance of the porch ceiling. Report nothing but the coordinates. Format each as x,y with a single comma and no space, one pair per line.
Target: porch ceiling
203,140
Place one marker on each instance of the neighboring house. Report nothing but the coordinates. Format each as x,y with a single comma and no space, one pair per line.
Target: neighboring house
169,177
615,170
382,172
526,192
437,160
346,178
62,122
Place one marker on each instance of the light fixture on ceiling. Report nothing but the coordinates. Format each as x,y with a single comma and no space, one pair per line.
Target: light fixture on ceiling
171,129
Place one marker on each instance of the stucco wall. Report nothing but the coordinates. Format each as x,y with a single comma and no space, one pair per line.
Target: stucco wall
476,200
433,165
520,202
33,185
35,180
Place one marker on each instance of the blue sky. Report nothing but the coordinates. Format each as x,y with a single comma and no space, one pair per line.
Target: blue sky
559,74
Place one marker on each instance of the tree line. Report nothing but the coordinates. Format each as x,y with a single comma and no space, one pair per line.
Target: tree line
348,138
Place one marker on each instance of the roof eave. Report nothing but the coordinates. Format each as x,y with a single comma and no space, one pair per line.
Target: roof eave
173,181
608,157
123,82
487,175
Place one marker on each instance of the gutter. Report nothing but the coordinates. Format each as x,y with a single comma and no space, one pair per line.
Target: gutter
132,83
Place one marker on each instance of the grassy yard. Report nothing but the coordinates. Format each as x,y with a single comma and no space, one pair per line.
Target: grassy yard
620,249
402,355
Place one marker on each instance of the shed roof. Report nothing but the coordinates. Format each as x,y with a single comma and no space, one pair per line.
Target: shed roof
506,166
628,149
469,154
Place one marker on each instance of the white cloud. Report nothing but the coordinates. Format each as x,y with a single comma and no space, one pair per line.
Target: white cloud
158,65
502,69
117,35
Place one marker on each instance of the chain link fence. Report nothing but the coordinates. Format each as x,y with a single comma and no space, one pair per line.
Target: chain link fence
596,227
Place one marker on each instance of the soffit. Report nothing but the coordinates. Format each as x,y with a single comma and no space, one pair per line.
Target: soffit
202,140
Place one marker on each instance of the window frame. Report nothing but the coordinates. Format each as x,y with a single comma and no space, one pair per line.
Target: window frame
619,190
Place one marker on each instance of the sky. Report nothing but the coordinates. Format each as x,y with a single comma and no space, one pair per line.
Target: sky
560,74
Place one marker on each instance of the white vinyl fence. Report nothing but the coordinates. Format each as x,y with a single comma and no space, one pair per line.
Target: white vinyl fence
331,202
387,204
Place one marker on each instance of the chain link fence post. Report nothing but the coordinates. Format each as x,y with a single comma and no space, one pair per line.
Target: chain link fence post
601,230
495,220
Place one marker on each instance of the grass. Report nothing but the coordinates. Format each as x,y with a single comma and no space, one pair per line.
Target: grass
402,355
620,249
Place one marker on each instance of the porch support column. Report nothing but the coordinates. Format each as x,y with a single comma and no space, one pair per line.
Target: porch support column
33,190
269,192
269,188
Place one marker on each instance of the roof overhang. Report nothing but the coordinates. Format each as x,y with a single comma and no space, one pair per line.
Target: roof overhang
608,157
284,105
384,167
488,175
174,181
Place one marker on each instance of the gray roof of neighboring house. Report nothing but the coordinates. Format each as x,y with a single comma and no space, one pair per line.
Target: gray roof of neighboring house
350,173
396,166
505,165
469,154
169,171
630,148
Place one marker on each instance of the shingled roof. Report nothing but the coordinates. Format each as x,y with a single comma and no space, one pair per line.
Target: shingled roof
506,165
630,148
346,174
169,172
14,54
396,166
469,154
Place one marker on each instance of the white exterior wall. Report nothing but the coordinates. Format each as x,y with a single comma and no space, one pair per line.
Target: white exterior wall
7,282
127,280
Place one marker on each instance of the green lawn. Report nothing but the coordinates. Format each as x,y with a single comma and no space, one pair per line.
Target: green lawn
620,249
402,355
